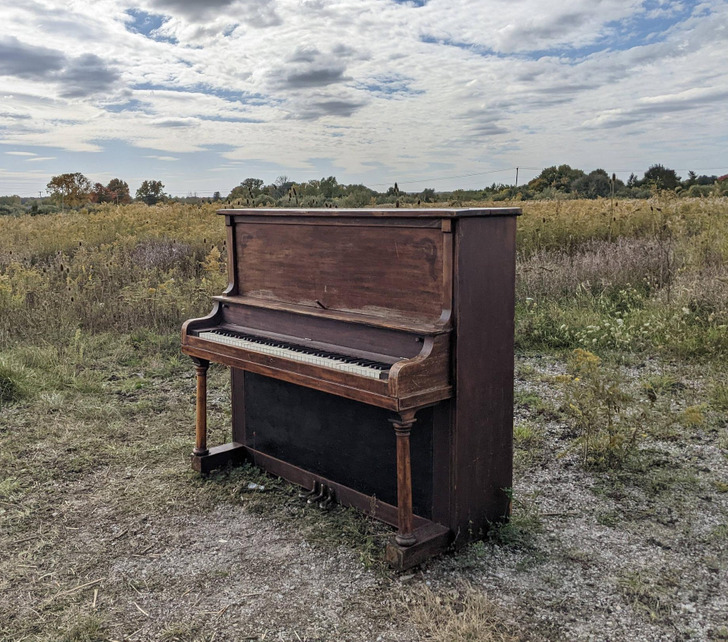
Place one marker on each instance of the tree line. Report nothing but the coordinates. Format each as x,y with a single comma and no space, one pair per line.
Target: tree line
73,190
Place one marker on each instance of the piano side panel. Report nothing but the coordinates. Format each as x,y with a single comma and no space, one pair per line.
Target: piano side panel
482,454
232,258
378,270
346,441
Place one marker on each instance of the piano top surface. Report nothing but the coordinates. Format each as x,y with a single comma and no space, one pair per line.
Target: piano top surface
449,213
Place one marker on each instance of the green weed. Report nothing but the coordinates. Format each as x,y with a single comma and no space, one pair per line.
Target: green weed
523,525
719,397
596,402
87,629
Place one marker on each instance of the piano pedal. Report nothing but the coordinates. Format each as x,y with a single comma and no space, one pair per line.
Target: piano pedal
329,501
310,493
317,498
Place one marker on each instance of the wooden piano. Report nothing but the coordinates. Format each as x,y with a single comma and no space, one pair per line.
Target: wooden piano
371,356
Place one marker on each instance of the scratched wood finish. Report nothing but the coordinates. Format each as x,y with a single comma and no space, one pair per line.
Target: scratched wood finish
380,270
313,215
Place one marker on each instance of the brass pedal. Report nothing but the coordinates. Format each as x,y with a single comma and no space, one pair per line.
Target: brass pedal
310,493
317,498
329,500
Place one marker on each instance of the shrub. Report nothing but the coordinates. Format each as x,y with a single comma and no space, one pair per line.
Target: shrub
595,401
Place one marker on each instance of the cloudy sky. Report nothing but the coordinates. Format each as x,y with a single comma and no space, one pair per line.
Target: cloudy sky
428,93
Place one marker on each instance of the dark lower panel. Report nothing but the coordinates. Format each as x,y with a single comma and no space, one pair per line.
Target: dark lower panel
348,442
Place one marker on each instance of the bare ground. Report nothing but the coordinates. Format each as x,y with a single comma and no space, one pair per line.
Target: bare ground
107,534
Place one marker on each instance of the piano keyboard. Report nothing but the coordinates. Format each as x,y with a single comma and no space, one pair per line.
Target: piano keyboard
304,354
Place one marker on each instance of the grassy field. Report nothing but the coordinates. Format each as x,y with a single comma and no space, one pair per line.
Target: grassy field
621,486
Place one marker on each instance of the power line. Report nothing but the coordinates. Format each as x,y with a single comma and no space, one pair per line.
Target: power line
447,178
677,169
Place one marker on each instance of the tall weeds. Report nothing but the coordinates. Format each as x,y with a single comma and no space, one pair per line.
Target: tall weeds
643,275
116,269
652,277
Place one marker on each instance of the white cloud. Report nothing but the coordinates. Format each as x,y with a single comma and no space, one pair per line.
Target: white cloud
380,89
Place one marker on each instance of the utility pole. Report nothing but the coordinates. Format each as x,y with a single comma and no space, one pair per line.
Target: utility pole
611,191
516,185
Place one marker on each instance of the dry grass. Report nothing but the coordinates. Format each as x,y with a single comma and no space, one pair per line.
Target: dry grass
463,614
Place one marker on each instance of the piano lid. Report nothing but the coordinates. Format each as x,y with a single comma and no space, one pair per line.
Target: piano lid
424,212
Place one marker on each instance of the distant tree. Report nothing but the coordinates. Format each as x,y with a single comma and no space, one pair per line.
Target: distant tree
661,177
70,189
558,178
706,180
119,191
394,190
310,188
357,196
280,187
151,192
592,185
632,181
216,197
253,184
249,188
330,188
100,194
428,195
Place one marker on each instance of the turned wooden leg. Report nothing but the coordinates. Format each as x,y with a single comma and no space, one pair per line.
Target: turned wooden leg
200,449
402,427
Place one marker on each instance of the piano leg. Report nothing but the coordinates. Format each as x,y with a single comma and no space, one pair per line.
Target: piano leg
402,426
200,449
205,459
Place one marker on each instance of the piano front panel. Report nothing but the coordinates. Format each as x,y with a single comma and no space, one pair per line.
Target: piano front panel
394,272
320,433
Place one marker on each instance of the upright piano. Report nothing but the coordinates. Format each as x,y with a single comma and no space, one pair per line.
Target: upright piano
371,360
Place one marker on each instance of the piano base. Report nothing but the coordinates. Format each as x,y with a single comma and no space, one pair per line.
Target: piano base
219,457
430,538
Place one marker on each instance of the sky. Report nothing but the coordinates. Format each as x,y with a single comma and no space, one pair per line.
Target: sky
438,94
